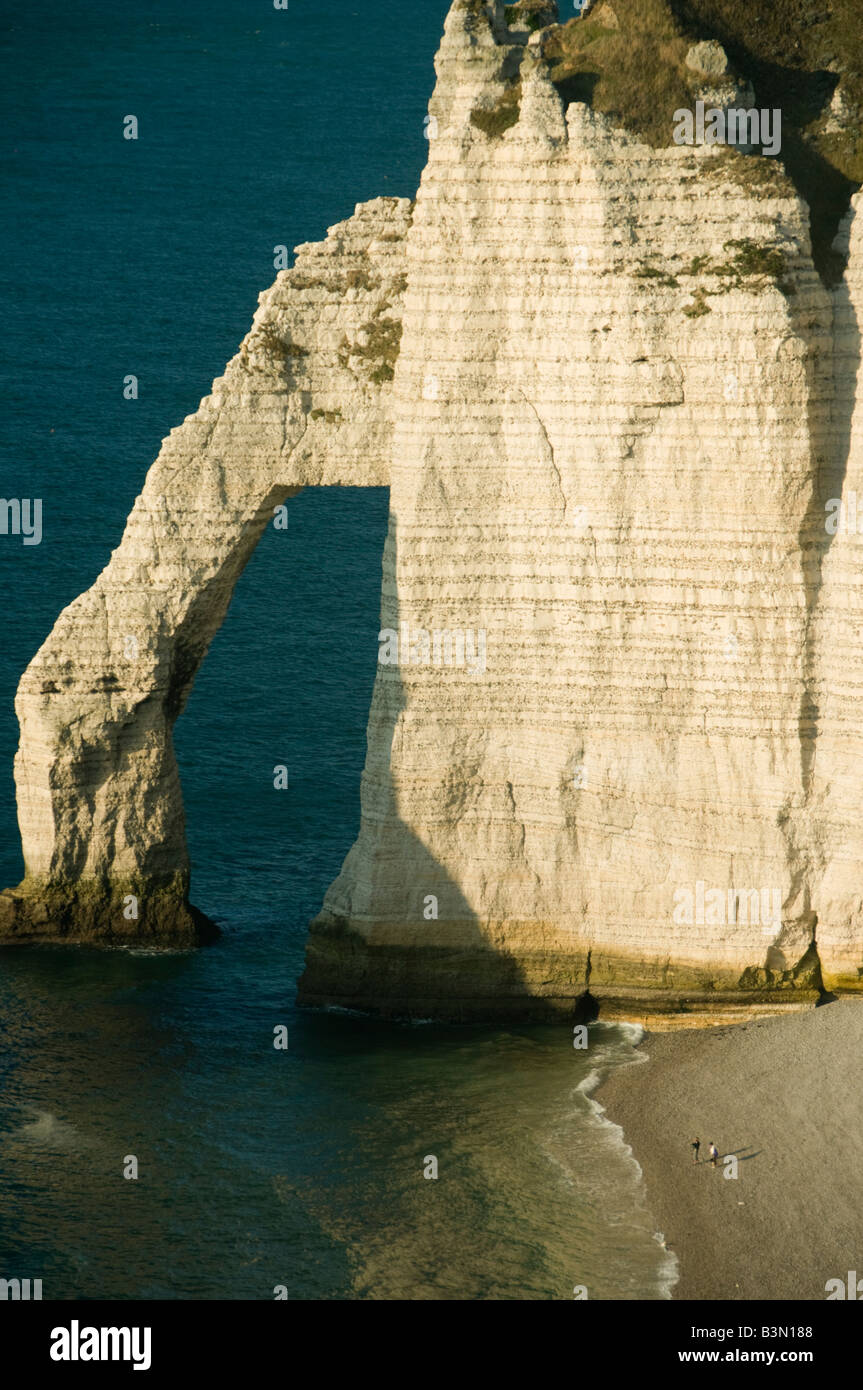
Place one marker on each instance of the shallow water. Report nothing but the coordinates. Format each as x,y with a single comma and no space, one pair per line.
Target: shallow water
304,1167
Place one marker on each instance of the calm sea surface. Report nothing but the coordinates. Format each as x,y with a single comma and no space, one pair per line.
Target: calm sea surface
257,1167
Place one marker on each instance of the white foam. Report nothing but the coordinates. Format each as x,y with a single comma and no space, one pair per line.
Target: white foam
633,1033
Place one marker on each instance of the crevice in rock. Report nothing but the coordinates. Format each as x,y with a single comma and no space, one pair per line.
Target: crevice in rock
586,1008
586,1004
549,448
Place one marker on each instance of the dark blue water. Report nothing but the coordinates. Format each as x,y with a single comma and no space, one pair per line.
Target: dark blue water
256,1167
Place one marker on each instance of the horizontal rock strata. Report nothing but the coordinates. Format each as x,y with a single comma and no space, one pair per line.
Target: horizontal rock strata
612,399
621,479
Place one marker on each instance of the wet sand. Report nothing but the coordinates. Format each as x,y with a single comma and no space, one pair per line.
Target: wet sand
784,1096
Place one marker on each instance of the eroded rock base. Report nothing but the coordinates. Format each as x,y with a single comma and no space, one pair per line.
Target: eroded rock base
475,983
95,913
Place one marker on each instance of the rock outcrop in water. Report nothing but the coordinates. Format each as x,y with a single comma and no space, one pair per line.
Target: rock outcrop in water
613,398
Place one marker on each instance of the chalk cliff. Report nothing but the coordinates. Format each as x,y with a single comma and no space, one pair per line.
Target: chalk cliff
611,395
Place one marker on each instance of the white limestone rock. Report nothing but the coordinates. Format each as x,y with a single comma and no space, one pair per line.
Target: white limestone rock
709,58
842,113
621,396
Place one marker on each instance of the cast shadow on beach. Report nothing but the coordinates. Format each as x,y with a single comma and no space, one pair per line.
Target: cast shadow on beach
740,1154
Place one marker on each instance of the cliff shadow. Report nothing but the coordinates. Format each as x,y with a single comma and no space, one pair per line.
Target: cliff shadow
834,379
396,935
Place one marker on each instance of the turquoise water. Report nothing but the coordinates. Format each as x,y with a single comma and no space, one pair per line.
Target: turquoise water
256,1167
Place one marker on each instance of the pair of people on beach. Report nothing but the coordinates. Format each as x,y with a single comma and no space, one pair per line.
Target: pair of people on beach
712,1150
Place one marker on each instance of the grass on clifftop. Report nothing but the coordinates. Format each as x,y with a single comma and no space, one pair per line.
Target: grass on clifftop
634,73
532,14
795,52
626,58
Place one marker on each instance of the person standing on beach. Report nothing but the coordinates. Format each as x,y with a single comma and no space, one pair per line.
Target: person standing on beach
714,1154
695,1146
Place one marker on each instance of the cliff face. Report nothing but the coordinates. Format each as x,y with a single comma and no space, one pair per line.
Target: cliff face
621,480
612,396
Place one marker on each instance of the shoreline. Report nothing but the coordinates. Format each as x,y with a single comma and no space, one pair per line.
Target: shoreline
779,1095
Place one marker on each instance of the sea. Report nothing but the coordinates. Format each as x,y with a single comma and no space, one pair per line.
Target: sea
154,1142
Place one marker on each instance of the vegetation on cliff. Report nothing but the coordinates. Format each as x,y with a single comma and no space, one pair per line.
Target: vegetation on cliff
627,59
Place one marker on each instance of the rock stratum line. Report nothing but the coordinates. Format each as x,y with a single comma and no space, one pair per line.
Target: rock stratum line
611,397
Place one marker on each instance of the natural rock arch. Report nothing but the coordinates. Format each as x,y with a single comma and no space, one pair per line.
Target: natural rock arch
306,401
